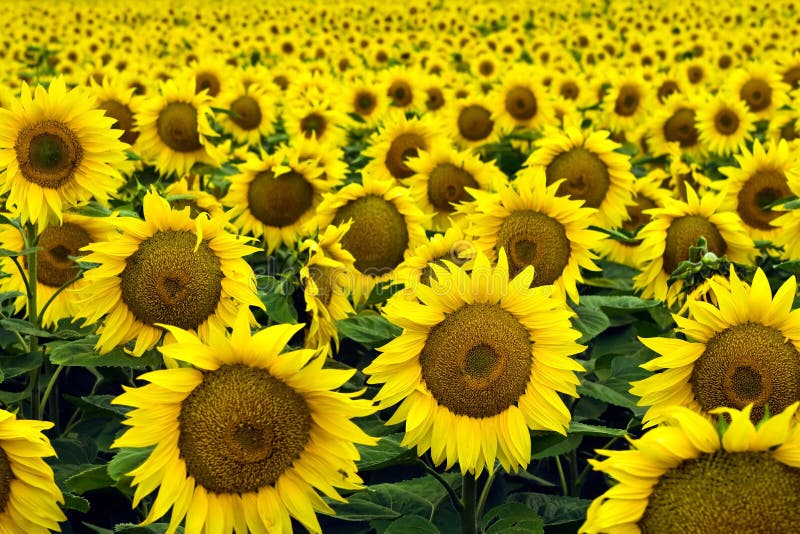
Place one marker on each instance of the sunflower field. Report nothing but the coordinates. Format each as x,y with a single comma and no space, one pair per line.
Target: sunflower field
436,266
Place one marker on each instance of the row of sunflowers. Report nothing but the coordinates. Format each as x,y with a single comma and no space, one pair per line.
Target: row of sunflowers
438,267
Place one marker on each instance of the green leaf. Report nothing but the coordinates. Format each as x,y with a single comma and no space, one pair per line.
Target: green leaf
553,509
618,302
412,524
386,453
606,394
81,353
126,460
371,330
382,291
582,429
4,252
280,308
24,328
91,478
512,517
552,444
75,502
100,404
589,322
155,528
19,364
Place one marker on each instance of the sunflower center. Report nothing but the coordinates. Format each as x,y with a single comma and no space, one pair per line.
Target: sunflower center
365,103
636,214
246,113
666,89
757,94
584,173
241,428
475,123
521,103
279,201
762,189
699,495
695,73
628,100
6,476
789,131
403,147
57,244
683,233
48,153
313,124
477,361
167,281
792,77
123,116
532,238
446,186
400,93
748,363
207,81
569,90
435,98
177,127
726,121
378,236
680,128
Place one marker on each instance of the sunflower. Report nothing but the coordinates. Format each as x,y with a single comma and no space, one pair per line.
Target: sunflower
399,139
725,124
743,350
314,118
275,196
386,227
537,227
363,98
329,159
675,228
29,496
675,122
252,112
175,129
784,124
591,171
56,150
521,101
760,87
481,360
210,74
245,438
470,122
119,103
166,269
762,178
400,87
627,102
187,192
441,177
689,476
326,278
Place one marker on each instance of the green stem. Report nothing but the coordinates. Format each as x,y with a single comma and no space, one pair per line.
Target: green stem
561,477
485,492
469,486
48,390
448,488
586,470
573,473
31,237
58,292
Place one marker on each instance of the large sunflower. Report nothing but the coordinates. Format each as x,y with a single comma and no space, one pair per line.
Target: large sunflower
675,228
761,88
29,496
591,171
690,476
166,269
246,438
56,274
56,151
481,360
762,178
386,227
537,227
743,350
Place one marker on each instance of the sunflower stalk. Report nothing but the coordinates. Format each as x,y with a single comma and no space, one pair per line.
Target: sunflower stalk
31,239
469,519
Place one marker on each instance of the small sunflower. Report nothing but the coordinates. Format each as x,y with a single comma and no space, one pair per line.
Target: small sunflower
175,129
785,124
743,350
364,99
675,122
56,151
244,439
760,87
314,118
386,227
29,496
469,121
591,171
481,360
521,101
252,113
275,196
166,269
401,87
210,74
675,228
627,102
326,279
537,227
762,178
725,124
399,139
690,476
118,102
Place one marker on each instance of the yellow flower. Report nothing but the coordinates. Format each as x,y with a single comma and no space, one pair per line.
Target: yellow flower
675,122
725,124
398,140
252,112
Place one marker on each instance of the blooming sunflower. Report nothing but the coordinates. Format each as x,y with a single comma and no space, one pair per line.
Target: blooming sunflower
330,160
675,228
762,178
689,476
627,102
54,268
537,227
246,438
725,124
314,118
327,278
252,112
174,128
469,121
742,351
56,150
275,196
364,99
760,87
399,139
675,122
118,102
386,227
29,496
521,101
591,171
166,269
480,362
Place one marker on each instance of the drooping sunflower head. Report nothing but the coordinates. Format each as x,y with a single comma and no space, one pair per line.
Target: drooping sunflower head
725,124
56,151
588,169
400,139
474,367
245,429
168,269
686,475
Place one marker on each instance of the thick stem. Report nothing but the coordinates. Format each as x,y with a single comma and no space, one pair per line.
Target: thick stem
469,523
31,238
448,488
